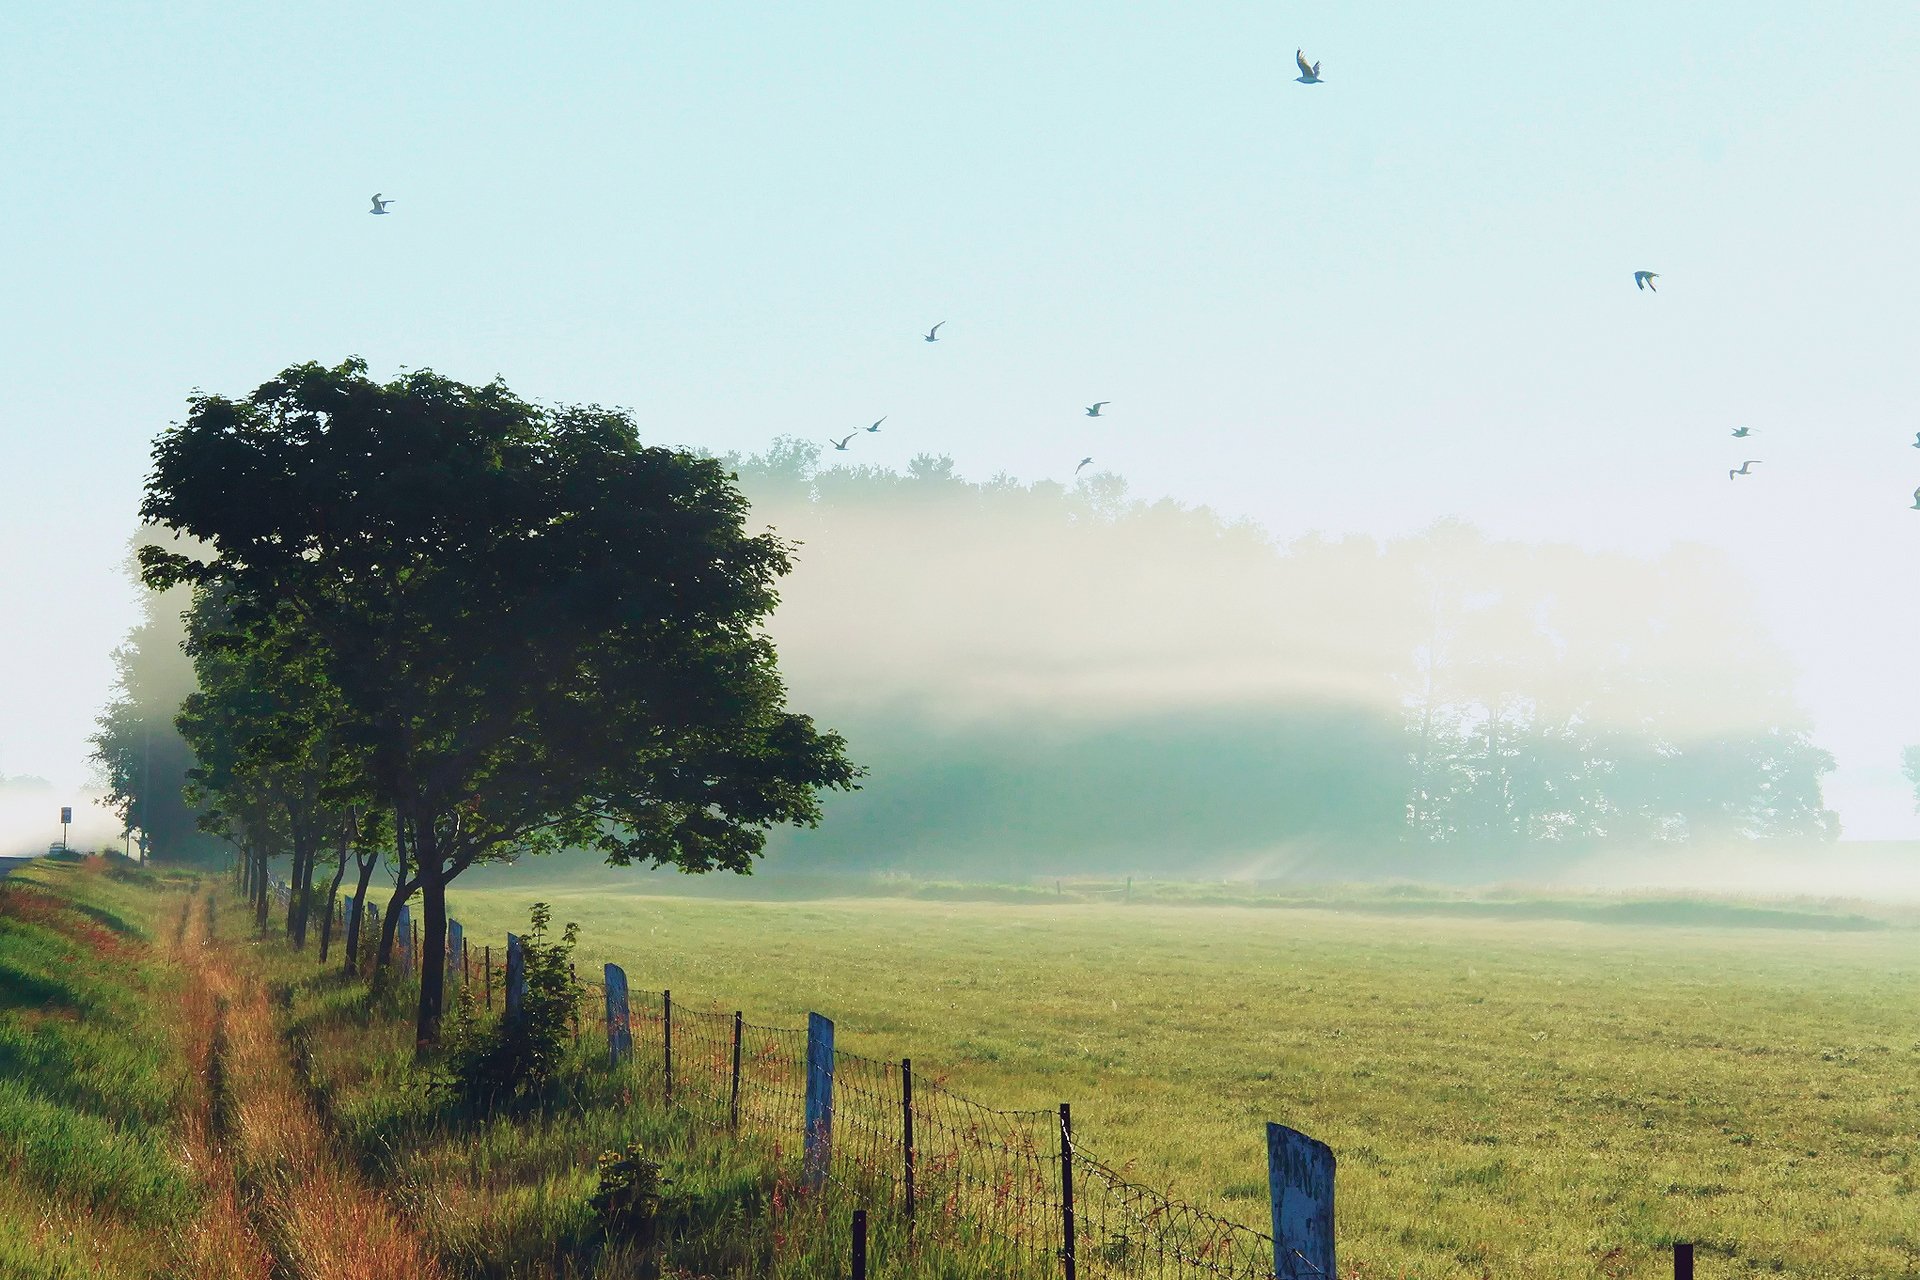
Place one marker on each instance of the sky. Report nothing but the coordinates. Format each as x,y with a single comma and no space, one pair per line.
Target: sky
1401,295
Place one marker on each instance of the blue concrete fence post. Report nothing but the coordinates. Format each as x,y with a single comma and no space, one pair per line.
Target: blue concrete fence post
516,976
819,1137
619,1023
1300,1184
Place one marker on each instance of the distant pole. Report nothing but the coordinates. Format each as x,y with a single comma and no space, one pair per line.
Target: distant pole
1682,1261
66,817
733,1094
1129,888
859,1244
906,1137
1068,1241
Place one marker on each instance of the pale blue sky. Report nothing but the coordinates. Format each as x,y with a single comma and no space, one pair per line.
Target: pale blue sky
1403,294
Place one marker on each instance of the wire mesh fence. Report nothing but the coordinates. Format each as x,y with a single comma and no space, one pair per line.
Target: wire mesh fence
944,1168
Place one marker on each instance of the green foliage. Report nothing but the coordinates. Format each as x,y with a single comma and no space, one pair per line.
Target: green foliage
630,1196
506,1062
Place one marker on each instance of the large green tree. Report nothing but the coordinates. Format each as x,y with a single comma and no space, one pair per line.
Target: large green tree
540,631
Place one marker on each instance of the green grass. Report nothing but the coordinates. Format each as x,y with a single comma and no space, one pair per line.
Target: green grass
1509,1096
90,1078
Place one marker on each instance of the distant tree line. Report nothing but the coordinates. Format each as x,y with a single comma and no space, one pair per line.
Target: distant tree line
436,626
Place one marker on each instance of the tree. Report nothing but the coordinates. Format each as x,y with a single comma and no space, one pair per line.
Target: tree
1910,765
541,631
142,759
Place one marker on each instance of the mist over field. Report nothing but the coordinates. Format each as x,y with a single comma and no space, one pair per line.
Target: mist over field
1051,679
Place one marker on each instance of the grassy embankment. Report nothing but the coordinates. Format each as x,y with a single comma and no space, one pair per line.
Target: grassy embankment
91,1077
1511,1097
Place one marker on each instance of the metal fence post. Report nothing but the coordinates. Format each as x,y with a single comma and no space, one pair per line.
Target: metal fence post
859,1244
666,1036
906,1136
1682,1261
1067,1248
733,1093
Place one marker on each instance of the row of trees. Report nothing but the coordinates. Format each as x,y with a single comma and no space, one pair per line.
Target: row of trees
435,624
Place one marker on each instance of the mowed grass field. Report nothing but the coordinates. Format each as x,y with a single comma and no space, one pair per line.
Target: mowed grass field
1506,1098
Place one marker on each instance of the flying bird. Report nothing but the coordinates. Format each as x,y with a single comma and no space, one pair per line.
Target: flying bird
1308,74
379,205
1084,462
841,443
1644,280
1093,410
1741,433
1743,468
931,333
1916,439
1916,499
876,426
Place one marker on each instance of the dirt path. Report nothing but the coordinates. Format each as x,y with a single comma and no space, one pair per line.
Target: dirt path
282,1204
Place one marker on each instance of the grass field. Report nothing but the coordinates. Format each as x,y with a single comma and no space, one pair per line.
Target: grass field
1507,1097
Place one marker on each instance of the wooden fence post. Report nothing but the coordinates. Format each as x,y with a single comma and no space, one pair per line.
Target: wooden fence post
666,1037
733,1093
1069,1238
573,976
818,1153
906,1137
859,1244
1682,1261
487,963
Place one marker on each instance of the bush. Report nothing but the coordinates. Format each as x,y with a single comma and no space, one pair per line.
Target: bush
630,1197
501,1062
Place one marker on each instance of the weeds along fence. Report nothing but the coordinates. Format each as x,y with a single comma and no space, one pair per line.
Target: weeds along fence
1014,1188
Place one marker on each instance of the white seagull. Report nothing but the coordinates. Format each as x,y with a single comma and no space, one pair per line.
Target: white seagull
1084,462
1916,499
1644,280
932,333
1308,74
876,426
1916,439
1093,410
1742,470
841,443
379,205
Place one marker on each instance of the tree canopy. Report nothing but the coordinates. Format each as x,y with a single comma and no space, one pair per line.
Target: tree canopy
536,630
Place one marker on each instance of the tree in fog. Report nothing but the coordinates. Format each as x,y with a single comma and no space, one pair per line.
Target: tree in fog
542,632
142,760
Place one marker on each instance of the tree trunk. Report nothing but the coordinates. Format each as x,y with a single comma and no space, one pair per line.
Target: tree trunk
359,913
333,890
261,894
297,879
433,941
402,890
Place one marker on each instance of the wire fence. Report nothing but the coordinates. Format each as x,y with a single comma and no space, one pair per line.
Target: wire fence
955,1171
951,1170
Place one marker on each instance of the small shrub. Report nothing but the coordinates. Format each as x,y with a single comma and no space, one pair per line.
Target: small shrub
630,1197
501,1062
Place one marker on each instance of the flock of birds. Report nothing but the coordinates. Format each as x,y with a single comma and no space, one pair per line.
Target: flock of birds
1309,74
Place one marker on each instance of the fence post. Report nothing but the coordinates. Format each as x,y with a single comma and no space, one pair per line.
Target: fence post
516,976
733,1094
456,952
859,1244
619,1024
1300,1185
666,1037
573,1003
906,1138
819,1135
1682,1261
413,947
1069,1243
486,961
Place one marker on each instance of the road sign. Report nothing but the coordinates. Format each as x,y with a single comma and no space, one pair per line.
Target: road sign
66,814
